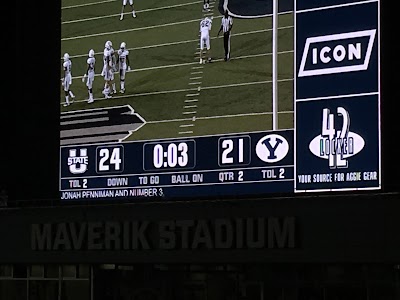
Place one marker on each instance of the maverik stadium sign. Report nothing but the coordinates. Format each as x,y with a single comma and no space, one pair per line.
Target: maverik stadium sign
138,235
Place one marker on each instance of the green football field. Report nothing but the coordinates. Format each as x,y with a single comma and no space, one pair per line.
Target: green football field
167,87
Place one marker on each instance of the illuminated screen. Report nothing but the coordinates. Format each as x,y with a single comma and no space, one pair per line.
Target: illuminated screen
289,102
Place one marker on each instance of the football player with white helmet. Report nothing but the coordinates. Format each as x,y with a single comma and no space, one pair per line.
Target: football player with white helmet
205,28
67,79
107,71
113,68
123,64
89,75
124,3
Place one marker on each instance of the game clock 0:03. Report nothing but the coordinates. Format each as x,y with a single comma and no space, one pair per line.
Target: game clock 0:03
169,155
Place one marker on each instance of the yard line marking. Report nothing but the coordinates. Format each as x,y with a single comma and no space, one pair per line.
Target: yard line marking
143,28
185,42
193,100
185,132
194,73
114,15
191,63
194,78
212,38
194,63
216,117
86,4
186,125
186,90
190,106
171,120
128,30
243,84
245,115
189,112
335,6
192,83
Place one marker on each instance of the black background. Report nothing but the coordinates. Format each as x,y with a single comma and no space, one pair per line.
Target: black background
30,101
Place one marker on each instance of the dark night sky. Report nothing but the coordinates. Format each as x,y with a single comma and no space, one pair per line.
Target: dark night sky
31,119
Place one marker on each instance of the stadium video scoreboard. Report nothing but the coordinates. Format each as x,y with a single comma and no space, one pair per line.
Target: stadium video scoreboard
334,145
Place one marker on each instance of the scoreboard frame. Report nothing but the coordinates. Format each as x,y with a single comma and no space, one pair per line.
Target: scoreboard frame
335,144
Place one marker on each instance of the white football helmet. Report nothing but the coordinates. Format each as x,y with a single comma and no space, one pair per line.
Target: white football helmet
123,45
66,56
108,45
91,53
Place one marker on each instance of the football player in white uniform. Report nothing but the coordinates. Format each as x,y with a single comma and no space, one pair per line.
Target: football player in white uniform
205,28
113,68
124,2
123,64
89,75
107,71
66,81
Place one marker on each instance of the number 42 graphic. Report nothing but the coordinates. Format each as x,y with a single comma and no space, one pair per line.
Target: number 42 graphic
336,143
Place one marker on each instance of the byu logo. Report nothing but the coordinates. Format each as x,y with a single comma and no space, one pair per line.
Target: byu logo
336,144
272,148
337,53
78,164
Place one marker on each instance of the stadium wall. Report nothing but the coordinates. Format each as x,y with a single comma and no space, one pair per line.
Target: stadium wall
336,228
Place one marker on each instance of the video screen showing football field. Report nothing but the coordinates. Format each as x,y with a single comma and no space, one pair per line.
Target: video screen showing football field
169,90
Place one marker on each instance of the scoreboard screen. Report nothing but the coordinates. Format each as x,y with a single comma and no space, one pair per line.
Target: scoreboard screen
285,102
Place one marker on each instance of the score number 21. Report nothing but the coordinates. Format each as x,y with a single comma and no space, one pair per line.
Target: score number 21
234,151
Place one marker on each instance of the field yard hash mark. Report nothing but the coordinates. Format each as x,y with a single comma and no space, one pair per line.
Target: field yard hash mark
192,80
191,95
